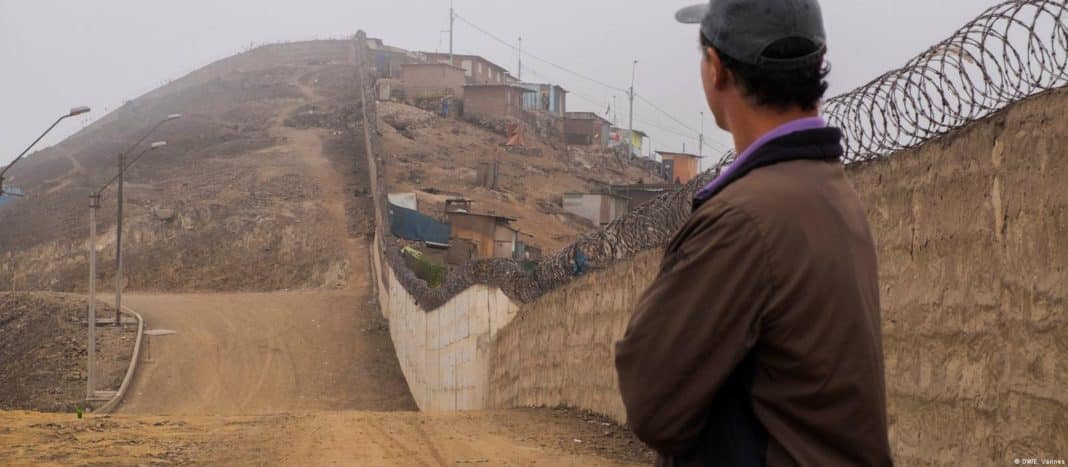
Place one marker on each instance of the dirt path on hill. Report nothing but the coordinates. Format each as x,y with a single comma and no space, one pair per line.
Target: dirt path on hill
245,354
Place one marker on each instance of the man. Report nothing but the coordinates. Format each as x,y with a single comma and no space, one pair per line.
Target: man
759,343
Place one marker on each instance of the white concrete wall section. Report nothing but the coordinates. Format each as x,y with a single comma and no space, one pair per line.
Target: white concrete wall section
444,353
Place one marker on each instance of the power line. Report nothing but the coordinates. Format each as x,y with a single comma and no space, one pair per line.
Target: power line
706,145
674,131
593,80
668,115
527,53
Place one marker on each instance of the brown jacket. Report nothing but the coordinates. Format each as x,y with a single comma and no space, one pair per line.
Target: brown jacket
759,343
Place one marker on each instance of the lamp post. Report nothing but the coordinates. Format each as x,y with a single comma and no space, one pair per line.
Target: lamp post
118,225
94,205
73,112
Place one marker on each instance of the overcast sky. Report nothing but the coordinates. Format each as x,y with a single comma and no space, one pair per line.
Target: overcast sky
59,54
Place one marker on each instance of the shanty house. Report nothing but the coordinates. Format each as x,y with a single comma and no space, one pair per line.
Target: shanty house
680,167
432,80
598,208
494,100
641,193
388,60
477,70
545,98
620,136
492,236
586,129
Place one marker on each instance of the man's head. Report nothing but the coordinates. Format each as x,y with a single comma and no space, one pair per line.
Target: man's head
760,55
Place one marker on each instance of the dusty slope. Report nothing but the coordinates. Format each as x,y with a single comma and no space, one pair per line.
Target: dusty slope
237,207
43,351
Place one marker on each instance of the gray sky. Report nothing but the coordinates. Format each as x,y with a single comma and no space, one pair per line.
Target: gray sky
59,54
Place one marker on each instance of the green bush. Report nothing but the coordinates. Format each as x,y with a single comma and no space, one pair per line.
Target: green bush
424,268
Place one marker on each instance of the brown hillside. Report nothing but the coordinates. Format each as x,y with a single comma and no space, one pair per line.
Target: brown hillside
242,176
245,194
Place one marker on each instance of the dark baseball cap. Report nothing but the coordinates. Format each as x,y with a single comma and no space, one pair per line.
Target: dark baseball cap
744,29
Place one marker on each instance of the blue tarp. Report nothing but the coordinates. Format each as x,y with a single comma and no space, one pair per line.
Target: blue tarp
412,225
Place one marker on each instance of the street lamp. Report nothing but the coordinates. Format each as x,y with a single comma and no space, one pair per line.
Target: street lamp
94,204
118,225
73,112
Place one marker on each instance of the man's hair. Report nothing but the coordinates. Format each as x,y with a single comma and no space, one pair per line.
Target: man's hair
779,90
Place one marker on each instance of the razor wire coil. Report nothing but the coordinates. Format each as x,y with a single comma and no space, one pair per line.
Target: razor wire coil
1011,51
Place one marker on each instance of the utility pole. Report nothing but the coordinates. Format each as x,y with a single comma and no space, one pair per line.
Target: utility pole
615,115
452,22
630,132
118,245
520,68
118,223
94,204
701,137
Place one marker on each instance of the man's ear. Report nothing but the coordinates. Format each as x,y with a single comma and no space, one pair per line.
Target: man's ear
717,71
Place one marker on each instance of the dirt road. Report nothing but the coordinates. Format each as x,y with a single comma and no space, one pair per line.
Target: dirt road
248,354
302,378
523,437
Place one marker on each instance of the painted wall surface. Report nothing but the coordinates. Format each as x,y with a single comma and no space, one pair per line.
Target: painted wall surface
971,233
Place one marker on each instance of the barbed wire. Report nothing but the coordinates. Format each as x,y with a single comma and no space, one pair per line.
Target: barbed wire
1013,50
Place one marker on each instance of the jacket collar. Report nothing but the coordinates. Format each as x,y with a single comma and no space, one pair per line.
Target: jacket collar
815,144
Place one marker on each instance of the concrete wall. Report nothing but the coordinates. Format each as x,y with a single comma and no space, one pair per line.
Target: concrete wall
559,349
973,243
443,352
971,232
